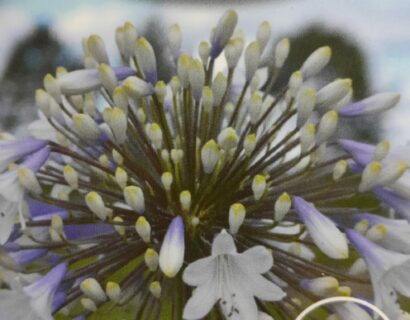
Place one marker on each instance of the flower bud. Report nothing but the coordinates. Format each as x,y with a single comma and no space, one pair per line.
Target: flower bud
151,259
146,60
376,232
263,34
339,169
255,108
176,155
155,289
92,289
333,92
88,304
381,151
295,82
322,286
281,52
210,156
327,126
307,136
207,99
252,56
258,186
135,198
107,77
306,102
184,63
317,60
236,217
121,177
143,229
175,39
362,226
249,144
171,256
28,180
282,206
223,32
118,227
42,99
71,176
120,99
113,291
96,204
167,179
233,51
372,105
219,86
154,133
204,51
228,139
137,88
196,78
52,87
85,126
118,124
96,48
370,176
185,200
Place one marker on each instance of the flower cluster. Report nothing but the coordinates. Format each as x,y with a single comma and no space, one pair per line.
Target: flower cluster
217,195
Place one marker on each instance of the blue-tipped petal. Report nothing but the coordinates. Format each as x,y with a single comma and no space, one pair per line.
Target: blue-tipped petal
330,240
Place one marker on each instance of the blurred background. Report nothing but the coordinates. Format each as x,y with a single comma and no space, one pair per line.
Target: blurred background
370,41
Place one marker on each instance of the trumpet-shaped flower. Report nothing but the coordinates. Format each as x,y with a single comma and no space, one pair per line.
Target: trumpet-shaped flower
388,272
233,279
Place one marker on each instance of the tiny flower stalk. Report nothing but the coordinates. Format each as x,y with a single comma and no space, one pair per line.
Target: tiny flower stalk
235,186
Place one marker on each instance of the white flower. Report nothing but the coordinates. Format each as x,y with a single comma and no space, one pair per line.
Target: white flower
234,279
389,273
33,302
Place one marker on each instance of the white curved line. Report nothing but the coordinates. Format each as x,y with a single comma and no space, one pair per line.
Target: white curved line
341,299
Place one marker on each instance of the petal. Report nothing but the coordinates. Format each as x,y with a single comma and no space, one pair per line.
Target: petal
266,290
201,302
257,259
223,244
8,214
200,271
247,306
330,240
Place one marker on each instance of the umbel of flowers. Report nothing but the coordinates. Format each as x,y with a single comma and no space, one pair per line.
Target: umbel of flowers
217,195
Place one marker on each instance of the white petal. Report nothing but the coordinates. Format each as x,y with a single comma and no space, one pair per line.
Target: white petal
200,271
201,302
258,259
8,214
223,244
266,290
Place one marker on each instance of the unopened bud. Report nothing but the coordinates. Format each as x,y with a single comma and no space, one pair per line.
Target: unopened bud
258,186
143,229
236,217
282,206
135,198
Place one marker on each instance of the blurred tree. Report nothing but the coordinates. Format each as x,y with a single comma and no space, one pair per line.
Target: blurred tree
36,55
347,62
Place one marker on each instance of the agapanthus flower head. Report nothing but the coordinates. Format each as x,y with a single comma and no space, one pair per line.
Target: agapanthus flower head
211,195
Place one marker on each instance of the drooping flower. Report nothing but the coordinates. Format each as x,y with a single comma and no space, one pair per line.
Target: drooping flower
130,178
35,301
388,271
233,279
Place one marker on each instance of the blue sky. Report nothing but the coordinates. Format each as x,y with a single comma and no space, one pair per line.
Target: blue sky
380,27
